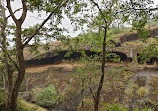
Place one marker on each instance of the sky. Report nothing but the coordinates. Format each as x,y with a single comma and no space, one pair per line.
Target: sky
34,18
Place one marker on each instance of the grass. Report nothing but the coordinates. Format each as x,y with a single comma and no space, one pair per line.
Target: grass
142,92
26,106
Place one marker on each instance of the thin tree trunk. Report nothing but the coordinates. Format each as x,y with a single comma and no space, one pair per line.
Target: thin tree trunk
97,99
9,69
4,47
13,92
10,87
20,57
5,88
19,48
82,104
21,72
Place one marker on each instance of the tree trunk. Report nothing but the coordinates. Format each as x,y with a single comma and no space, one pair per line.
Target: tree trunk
10,87
20,46
96,105
21,71
9,69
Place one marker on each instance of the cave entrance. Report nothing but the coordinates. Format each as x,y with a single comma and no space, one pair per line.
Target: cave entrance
75,55
56,59
116,55
150,62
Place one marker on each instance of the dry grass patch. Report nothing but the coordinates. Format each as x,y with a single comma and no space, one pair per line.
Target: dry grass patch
27,106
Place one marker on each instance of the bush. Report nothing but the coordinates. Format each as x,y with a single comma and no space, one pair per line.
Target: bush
47,97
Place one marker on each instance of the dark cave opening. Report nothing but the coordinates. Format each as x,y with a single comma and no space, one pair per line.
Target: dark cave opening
151,61
75,55
120,55
55,59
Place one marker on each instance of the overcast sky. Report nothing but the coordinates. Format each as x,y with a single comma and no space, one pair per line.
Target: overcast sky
34,18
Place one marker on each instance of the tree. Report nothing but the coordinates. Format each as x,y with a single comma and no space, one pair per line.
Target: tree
132,11
139,13
8,68
103,13
53,8
106,11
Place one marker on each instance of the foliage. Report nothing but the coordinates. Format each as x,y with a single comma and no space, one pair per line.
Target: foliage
47,97
139,26
114,107
87,78
152,23
118,107
137,14
22,105
21,38
96,20
145,109
148,52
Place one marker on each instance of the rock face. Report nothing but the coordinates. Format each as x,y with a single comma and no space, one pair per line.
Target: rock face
138,93
134,36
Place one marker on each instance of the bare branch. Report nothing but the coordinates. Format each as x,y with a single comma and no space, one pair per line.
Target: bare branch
23,16
92,93
143,9
10,10
3,26
94,97
18,10
108,24
99,10
14,12
146,9
10,58
43,23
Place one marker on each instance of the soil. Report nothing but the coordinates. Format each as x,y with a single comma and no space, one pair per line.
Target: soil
40,68
69,66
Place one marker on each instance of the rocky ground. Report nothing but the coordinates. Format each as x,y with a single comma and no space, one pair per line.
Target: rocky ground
141,88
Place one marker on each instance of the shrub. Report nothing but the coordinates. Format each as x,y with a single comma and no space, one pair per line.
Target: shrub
142,92
47,97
